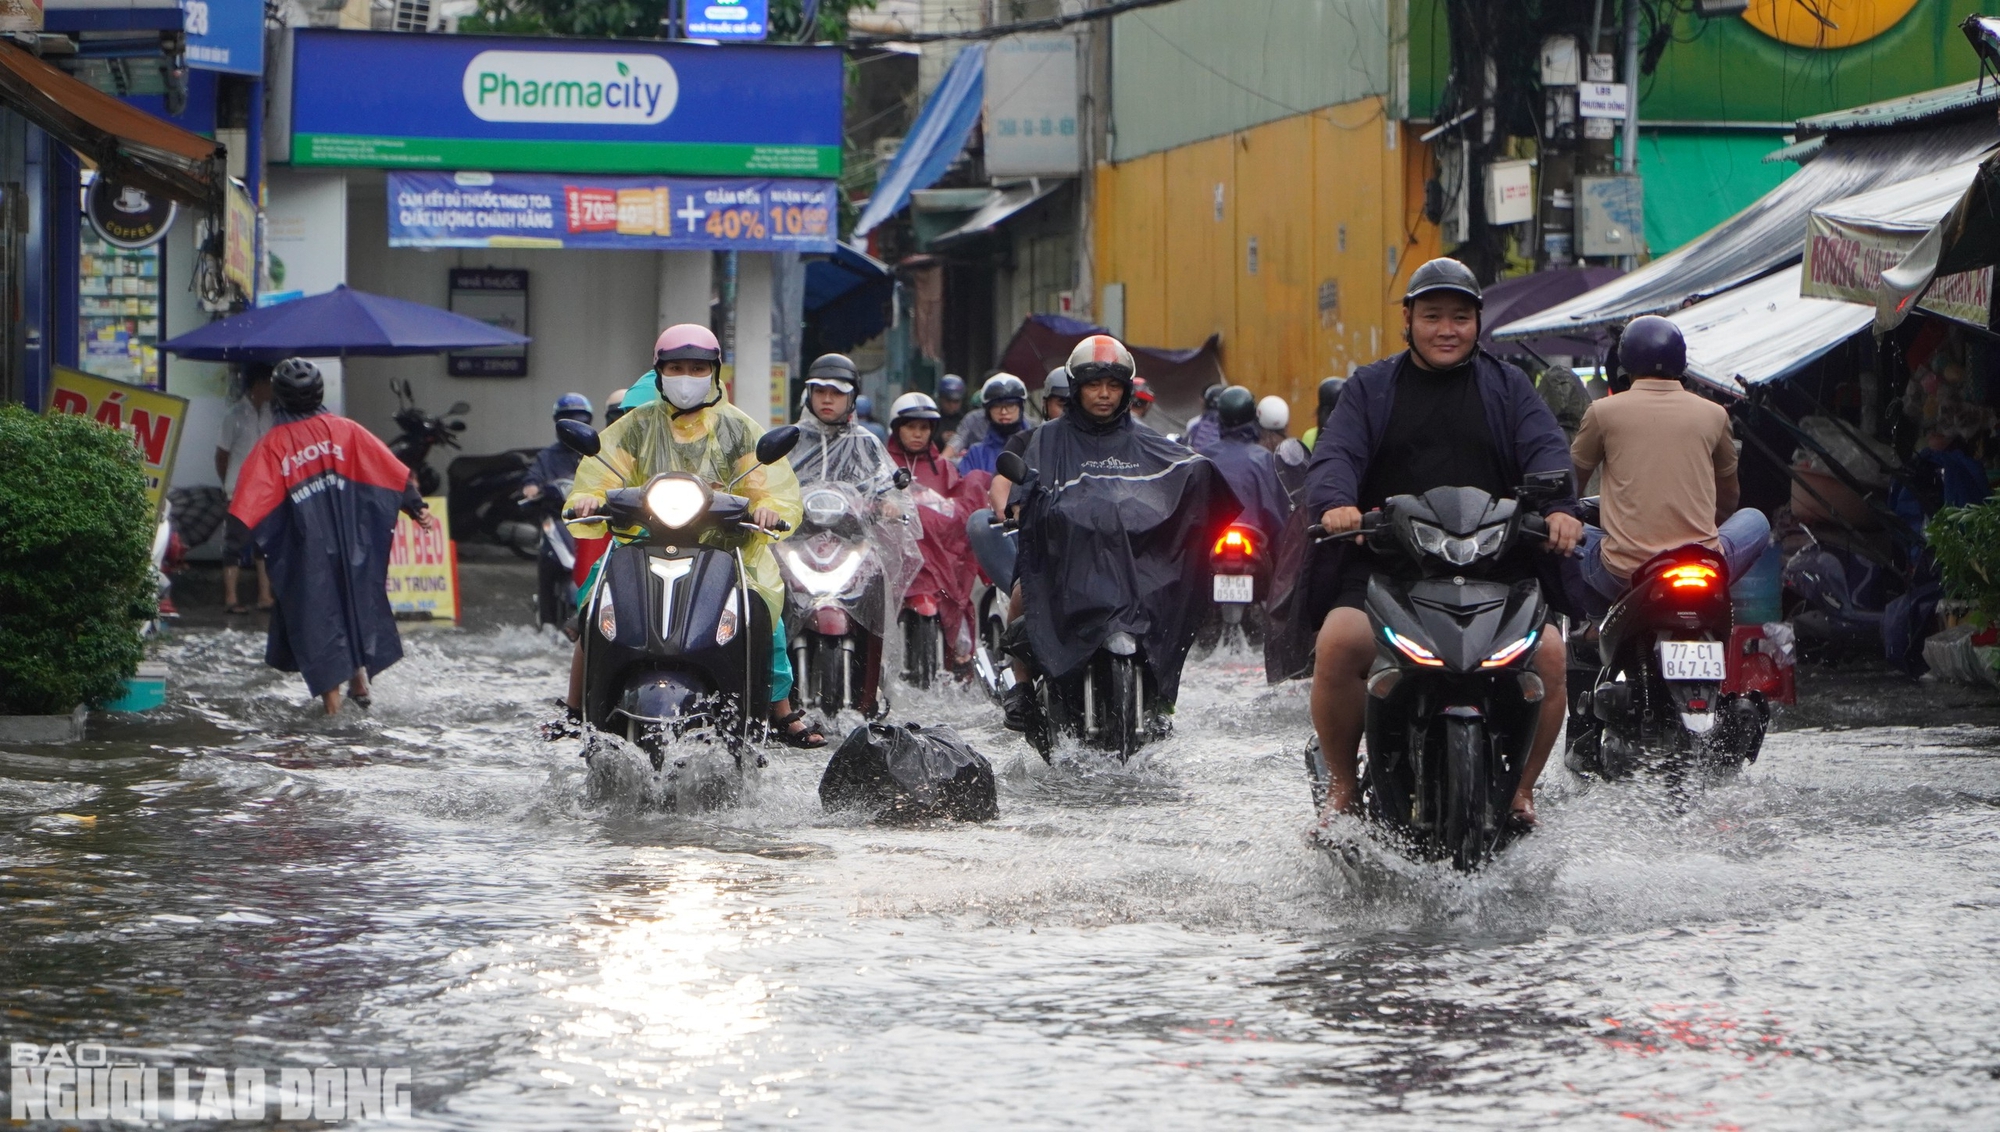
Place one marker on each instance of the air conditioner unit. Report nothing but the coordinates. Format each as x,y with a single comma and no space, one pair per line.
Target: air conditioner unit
412,15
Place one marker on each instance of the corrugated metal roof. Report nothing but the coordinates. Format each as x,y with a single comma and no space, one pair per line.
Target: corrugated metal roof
1943,104
1764,330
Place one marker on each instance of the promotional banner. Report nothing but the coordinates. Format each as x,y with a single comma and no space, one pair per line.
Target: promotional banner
565,105
239,240
423,568
1846,261
153,420
1031,106
529,210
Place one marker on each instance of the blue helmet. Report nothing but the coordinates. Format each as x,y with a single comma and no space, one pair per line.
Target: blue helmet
1652,347
951,385
864,407
573,406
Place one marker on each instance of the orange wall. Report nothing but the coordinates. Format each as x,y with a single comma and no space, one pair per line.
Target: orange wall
1292,184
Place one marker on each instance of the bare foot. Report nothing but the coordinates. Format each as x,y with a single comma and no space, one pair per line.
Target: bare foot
1523,810
332,701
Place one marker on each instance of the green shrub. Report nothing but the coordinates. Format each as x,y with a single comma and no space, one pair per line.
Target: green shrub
1966,541
76,537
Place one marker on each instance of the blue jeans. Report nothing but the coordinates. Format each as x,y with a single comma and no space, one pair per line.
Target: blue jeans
1744,536
994,548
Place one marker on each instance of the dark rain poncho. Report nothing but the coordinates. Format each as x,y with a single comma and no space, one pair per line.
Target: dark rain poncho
1253,475
1115,537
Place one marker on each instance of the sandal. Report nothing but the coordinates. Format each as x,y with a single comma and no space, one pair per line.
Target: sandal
238,610
804,739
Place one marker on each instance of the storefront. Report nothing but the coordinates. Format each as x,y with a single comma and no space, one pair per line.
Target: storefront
584,193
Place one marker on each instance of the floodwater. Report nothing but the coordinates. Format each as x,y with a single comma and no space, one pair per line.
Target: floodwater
233,882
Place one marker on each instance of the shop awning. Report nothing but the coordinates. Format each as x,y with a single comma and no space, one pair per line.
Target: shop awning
1767,235
1764,330
997,208
1851,241
126,143
847,298
934,141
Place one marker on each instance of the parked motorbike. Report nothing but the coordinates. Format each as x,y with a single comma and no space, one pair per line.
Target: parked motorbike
1110,702
845,569
555,564
422,432
1240,560
1664,700
1453,697
674,639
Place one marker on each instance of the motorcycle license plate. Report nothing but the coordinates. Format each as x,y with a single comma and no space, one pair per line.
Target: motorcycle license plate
1235,588
1693,660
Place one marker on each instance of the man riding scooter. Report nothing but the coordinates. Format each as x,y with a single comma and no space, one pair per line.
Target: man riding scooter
1115,527
944,498
548,481
855,555
691,429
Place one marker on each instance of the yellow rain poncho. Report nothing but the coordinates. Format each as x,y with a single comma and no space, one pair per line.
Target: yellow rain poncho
716,444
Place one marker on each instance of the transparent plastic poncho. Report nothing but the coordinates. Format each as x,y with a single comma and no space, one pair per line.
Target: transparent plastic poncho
857,540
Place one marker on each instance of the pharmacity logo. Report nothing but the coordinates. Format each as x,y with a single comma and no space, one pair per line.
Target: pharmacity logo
582,87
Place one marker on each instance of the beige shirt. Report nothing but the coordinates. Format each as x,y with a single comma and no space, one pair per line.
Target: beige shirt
1662,449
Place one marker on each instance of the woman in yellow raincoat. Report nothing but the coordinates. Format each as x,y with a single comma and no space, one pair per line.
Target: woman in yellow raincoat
692,429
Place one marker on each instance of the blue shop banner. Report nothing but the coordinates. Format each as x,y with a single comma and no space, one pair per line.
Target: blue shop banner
529,210
565,105
225,35
728,19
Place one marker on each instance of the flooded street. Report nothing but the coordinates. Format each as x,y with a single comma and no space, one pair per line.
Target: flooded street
233,882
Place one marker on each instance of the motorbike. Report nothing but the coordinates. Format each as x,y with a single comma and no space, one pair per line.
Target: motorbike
422,432
1453,698
922,619
1664,699
674,638
484,498
844,571
1242,579
1110,702
555,564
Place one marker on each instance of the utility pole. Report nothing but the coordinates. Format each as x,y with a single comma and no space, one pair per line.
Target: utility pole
1629,161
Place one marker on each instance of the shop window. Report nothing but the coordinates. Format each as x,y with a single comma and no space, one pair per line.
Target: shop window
118,306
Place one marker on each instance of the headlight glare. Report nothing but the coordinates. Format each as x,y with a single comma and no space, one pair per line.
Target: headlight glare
675,502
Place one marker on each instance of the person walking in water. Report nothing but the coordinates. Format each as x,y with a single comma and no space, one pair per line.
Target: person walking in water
319,494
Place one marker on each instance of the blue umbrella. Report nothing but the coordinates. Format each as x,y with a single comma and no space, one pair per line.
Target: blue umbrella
340,323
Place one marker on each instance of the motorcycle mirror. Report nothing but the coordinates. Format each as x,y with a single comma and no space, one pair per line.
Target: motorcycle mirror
456,426
1013,467
458,409
1541,487
777,444
901,478
576,436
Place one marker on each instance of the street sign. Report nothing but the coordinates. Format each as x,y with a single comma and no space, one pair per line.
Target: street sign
1030,112
127,217
728,19
1601,100
225,35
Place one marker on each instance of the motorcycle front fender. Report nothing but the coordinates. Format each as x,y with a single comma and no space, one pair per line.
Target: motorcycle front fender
660,696
830,621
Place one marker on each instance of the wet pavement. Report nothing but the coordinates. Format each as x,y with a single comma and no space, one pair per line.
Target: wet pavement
232,881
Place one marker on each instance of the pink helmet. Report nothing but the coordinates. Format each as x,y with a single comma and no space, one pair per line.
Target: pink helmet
687,342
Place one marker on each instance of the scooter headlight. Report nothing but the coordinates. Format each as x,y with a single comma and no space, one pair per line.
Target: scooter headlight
1489,538
818,582
1457,551
1430,539
824,508
675,502
1412,649
1509,654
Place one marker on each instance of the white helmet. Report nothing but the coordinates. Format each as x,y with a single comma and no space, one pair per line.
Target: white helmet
912,407
1100,356
1274,413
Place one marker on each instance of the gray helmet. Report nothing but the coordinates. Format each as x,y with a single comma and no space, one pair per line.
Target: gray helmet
1444,274
1213,394
1235,406
1056,384
834,370
298,387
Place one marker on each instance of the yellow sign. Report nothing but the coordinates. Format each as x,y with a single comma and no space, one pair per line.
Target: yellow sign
423,568
152,419
239,244
1826,24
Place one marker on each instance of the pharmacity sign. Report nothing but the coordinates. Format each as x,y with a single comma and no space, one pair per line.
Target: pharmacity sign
564,105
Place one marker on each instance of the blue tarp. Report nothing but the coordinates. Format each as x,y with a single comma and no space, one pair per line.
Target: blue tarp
338,323
939,134
847,298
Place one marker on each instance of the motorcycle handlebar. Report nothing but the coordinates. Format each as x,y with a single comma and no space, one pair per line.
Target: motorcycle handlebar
1535,525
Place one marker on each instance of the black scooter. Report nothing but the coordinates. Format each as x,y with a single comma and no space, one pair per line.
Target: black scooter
1242,580
1453,697
674,638
1110,702
422,432
1659,703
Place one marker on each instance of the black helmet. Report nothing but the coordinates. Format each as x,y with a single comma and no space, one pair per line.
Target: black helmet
1652,347
1002,388
834,370
1235,406
1056,384
1213,394
1443,274
1329,394
298,387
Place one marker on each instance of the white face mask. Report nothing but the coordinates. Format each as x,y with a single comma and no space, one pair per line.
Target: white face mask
685,392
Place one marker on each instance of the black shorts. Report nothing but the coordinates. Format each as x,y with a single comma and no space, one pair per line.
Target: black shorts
238,548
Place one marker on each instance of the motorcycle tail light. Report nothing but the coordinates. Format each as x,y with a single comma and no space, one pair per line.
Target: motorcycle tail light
1690,576
1235,539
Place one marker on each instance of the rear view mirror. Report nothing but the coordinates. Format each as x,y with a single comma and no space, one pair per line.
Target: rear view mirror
777,444
457,426
578,437
901,479
1545,487
1012,467
458,409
